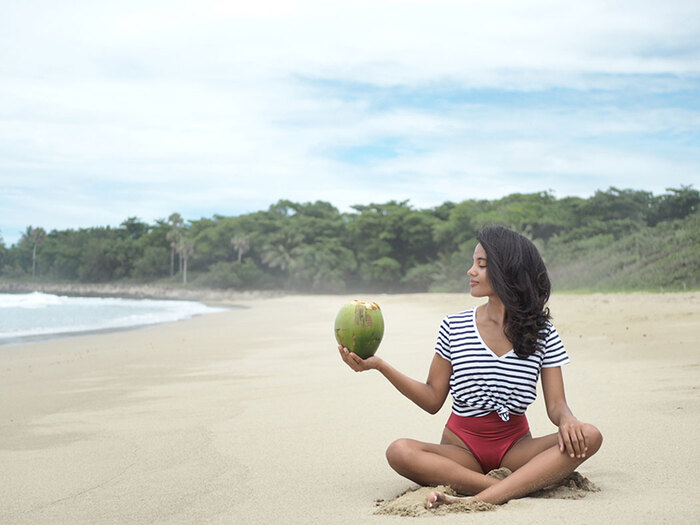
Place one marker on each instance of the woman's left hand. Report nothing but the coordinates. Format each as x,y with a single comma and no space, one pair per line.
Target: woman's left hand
571,437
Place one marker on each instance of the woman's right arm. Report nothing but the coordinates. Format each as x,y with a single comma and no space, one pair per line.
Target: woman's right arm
430,396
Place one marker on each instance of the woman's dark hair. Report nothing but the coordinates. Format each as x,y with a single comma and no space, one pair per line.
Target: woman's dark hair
519,278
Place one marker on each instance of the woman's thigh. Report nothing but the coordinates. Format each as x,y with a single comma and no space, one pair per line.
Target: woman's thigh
402,452
454,453
454,448
526,449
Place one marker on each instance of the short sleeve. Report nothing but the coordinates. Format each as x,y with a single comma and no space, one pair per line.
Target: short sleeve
554,351
442,346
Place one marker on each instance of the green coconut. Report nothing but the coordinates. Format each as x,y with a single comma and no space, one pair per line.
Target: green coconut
359,327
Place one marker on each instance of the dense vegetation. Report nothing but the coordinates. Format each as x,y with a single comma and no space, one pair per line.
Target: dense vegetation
614,240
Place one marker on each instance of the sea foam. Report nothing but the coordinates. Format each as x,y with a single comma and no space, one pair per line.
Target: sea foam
38,314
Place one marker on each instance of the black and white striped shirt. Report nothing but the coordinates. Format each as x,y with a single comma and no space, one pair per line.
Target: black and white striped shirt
481,381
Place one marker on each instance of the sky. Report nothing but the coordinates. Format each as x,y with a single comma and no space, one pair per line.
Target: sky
111,110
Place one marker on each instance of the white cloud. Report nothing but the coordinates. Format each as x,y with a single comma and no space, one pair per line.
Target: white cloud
109,110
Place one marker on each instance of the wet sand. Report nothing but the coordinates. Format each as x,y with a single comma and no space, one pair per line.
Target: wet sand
249,416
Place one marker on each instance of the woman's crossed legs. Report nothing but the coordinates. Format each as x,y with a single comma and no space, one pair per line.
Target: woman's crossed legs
536,463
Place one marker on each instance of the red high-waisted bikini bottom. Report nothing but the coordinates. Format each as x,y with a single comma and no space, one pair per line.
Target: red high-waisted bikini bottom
489,437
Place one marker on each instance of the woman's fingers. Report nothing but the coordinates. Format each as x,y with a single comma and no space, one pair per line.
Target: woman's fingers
579,441
351,359
345,356
358,364
575,445
573,440
582,441
565,433
567,442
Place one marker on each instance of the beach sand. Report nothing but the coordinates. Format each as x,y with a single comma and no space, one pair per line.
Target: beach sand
250,416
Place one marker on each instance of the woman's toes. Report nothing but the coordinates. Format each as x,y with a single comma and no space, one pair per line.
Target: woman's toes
435,499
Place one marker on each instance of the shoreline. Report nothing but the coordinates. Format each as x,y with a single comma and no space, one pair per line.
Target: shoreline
135,293
45,338
207,296
220,297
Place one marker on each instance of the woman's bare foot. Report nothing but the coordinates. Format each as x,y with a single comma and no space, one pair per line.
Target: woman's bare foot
435,499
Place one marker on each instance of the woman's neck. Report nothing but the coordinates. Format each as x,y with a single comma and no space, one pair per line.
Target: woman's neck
495,311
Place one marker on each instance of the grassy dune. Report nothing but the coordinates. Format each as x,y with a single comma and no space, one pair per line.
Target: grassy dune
663,258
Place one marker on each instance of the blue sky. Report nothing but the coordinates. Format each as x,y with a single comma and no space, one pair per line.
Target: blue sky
144,108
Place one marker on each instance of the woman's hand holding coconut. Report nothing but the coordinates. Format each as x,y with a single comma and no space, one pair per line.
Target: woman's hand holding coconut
358,364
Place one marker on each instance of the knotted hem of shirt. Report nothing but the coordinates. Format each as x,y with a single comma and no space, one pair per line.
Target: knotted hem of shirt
503,413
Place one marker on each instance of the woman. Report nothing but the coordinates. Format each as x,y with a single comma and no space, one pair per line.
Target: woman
489,359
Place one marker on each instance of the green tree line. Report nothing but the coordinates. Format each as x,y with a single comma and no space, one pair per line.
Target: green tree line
618,239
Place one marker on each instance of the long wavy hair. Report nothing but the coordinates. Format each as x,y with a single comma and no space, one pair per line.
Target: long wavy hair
519,277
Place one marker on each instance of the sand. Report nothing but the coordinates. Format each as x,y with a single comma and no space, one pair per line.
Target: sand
249,416
413,502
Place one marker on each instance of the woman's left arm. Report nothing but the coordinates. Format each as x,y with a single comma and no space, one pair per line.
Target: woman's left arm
571,436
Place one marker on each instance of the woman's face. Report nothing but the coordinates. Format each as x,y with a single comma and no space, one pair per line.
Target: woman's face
480,283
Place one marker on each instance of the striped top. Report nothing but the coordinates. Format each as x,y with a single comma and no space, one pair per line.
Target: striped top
482,382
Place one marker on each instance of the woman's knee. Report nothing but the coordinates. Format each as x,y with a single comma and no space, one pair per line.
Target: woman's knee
399,453
594,438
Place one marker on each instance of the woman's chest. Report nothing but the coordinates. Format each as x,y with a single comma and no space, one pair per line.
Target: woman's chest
495,340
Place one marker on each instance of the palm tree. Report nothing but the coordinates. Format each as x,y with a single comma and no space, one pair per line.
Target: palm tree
281,254
173,236
37,236
185,249
241,243
277,256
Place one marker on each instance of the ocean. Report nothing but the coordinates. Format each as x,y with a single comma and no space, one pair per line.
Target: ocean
32,316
